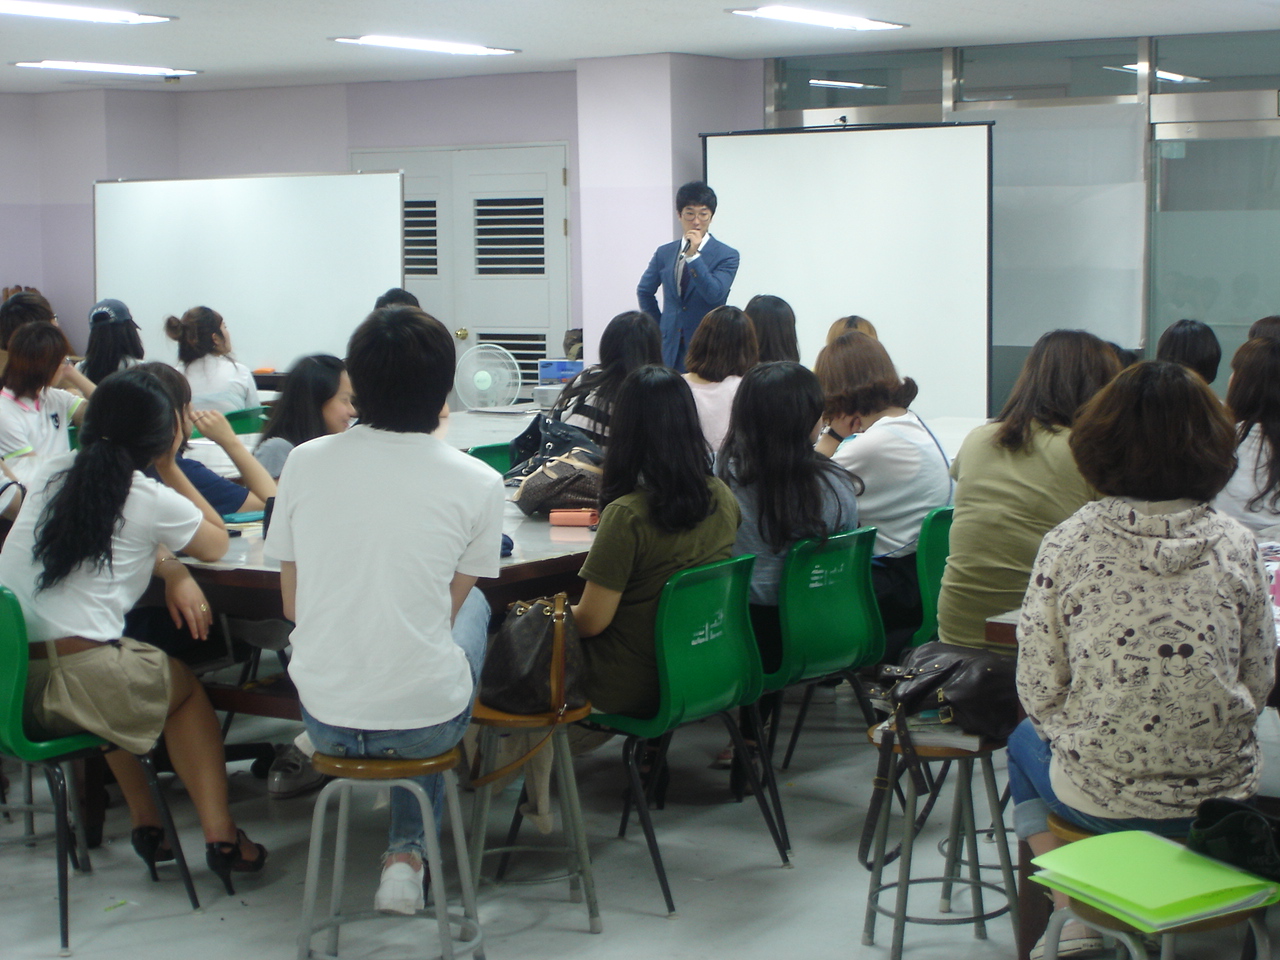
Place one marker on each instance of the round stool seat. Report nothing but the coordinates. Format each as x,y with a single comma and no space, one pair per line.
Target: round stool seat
1103,919
486,716
942,753
1067,831
370,768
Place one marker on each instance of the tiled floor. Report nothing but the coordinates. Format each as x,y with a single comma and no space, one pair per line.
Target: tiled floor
733,897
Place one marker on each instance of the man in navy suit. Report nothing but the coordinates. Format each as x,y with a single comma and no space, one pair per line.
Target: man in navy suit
695,274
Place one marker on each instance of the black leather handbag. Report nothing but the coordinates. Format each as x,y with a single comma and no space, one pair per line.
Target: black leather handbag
974,689
1239,834
544,440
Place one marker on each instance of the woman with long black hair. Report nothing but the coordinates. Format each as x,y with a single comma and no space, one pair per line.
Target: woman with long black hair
631,340
114,343
1252,495
91,535
662,511
316,401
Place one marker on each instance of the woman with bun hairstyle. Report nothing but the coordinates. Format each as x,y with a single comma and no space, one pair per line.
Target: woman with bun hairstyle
92,534
218,382
315,401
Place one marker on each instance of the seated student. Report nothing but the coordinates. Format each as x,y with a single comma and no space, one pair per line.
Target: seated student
1252,495
1146,646
25,306
723,348
775,325
114,343
851,324
1192,344
631,340
381,532
662,511
35,411
1016,480
226,496
93,533
903,469
316,401
218,382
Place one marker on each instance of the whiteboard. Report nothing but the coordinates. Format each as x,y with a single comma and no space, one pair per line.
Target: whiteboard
293,263
892,224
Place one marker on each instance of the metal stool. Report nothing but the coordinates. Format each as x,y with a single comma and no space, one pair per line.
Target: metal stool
578,870
362,772
962,828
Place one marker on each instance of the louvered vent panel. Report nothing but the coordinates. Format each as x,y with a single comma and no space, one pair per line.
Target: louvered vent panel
527,348
420,238
511,236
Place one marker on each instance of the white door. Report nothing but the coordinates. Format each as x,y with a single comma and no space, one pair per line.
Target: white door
486,243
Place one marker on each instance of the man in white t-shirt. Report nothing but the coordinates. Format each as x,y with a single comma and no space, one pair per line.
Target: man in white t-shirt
382,532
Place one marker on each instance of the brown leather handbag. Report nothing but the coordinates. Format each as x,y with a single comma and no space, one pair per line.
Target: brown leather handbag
534,662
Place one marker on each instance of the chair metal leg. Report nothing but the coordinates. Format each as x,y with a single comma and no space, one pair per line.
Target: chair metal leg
1001,837
480,806
1261,936
629,750
740,745
149,768
79,831
466,880
513,833
964,789
435,865
58,791
770,778
568,823
315,853
878,859
338,887
864,701
775,719
951,868
28,798
799,725
904,871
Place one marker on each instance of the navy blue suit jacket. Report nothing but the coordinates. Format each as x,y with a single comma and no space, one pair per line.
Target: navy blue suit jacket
710,277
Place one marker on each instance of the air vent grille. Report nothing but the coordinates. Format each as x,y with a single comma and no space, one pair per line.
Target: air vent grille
511,236
420,238
527,348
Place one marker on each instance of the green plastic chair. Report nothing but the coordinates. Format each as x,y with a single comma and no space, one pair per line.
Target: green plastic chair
496,455
830,621
51,754
248,420
708,665
931,560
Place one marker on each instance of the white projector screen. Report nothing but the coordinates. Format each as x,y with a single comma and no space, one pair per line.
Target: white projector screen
293,263
892,224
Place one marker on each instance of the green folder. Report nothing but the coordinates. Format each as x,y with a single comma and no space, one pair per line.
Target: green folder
1149,881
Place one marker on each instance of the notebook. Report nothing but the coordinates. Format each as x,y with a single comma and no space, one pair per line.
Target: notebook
1149,881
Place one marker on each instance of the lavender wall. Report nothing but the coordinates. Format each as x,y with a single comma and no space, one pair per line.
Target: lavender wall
21,257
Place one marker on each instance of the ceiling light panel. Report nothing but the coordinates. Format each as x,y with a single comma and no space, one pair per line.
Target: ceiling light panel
62,11
1165,75
121,68
845,85
427,46
817,18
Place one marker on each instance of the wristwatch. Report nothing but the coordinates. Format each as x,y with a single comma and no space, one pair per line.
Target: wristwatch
827,431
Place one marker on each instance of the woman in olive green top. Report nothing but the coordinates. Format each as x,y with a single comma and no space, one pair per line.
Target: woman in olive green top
663,512
1016,480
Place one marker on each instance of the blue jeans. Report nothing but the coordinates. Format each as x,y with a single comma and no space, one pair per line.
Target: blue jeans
470,632
1034,799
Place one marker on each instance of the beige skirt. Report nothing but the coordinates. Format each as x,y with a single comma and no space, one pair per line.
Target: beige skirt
118,691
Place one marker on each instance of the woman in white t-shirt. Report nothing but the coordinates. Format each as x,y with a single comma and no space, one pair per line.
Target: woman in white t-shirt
1252,495
904,471
84,548
218,382
722,350
34,411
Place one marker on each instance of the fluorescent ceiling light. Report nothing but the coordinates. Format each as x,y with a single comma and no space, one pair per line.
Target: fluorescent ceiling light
108,68
428,46
1160,74
61,11
845,85
817,18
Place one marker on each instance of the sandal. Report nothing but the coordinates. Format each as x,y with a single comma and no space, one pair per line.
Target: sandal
723,760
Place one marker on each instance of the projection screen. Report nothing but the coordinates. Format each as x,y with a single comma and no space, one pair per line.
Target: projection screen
293,263
889,223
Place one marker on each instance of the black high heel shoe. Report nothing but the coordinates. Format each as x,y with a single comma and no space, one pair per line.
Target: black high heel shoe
148,843
224,859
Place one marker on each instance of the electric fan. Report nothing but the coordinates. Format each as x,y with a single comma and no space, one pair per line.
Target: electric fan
488,378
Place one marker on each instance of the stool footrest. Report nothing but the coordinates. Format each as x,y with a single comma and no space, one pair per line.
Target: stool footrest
944,921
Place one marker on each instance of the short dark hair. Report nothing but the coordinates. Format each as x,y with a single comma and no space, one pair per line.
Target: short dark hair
401,363
1192,344
695,193
1155,432
394,296
27,306
297,415
36,350
1266,327
858,377
723,345
775,325
1063,370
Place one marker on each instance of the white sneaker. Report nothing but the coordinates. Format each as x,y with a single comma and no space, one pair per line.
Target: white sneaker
400,890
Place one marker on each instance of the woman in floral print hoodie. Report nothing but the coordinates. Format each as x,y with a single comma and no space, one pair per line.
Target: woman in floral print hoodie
1146,644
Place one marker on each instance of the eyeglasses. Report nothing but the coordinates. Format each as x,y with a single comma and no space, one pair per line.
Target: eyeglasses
699,214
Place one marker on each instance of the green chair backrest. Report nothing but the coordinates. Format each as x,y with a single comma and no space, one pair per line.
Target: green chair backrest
708,660
13,683
73,436
827,608
496,455
248,420
931,560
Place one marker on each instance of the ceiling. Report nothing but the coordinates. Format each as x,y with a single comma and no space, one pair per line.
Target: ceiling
265,43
